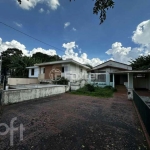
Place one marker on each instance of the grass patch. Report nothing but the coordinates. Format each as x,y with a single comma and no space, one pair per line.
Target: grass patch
91,90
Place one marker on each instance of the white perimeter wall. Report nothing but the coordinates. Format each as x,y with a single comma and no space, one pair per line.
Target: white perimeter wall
15,81
19,95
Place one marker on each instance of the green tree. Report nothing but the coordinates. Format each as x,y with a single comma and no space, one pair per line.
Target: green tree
45,57
6,58
100,6
19,63
141,63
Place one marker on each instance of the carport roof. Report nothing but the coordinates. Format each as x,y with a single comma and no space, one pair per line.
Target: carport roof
131,71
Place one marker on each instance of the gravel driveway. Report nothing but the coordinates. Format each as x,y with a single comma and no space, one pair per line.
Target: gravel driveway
71,122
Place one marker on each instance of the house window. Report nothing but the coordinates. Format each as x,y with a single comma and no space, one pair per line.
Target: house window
62,69
66,68
43,70
102,78
80,70
32,72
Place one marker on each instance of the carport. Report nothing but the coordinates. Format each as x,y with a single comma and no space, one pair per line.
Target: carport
135,79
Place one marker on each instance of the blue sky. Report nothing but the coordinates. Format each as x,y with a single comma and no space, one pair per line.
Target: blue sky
124,35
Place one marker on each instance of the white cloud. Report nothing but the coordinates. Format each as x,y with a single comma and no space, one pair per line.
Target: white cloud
142,33
41,10
50,52
141,36
18,24
66,24
69,52
80,50
83,58
53,4
119,53
15,44
125,54
48,12
29,4
74,29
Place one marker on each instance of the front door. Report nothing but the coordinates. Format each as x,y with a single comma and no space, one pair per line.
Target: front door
117,79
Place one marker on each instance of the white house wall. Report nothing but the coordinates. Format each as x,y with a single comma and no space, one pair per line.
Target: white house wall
42,70
36,73
73,73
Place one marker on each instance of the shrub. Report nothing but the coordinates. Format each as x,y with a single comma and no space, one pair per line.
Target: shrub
112,88
62,81
92,90
90,87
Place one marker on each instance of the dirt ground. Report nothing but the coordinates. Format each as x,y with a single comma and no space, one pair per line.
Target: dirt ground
72,122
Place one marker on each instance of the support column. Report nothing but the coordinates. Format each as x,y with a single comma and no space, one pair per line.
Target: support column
130,86
107,78
89,78
149,81
113,80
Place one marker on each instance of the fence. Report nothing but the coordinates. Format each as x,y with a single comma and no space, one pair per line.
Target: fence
143,109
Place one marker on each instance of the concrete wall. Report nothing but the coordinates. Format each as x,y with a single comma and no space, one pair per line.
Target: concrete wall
15,81
19,95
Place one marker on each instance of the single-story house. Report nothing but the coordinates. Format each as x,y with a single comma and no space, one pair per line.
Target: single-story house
103,74
115,73
70,69
108,73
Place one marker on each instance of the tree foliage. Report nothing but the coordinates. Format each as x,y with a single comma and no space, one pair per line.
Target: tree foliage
141,63
7,56
15,63
100,6
45,57
19,63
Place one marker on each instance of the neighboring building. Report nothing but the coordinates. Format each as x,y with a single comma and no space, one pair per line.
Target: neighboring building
74,71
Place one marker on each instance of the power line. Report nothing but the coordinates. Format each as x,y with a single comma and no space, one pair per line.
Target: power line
31,36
